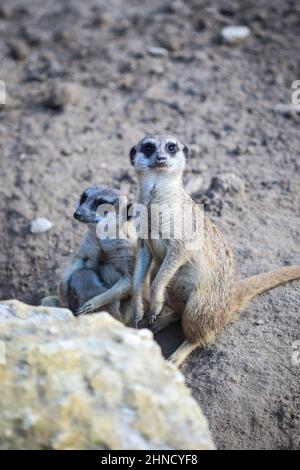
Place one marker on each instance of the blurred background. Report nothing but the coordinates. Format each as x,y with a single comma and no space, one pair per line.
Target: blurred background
85,80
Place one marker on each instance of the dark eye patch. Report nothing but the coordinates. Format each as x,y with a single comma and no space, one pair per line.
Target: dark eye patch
186,152
132,154
171,147
98,201
83,198
148,148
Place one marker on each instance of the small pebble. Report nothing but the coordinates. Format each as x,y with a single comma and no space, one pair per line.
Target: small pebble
193,183
179,7
157,69
62,94
66,150
235,34
40,225
158,51
101,19
18,50
195,150
228,183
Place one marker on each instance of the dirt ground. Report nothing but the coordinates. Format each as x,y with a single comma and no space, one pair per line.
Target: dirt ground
83,84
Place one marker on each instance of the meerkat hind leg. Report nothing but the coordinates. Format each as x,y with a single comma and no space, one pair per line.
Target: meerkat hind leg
186,348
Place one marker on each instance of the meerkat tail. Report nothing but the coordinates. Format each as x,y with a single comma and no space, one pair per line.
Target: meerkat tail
247,289
181,353
244,291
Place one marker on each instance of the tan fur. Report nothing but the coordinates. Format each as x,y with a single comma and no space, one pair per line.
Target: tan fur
200,281
115,266
246,289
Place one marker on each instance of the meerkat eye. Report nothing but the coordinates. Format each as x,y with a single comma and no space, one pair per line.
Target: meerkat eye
172,147
148,149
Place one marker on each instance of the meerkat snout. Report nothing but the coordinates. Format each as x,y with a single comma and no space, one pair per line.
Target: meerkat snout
78,214
93,198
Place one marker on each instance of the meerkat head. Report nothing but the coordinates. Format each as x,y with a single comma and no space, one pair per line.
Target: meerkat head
91,199
159,153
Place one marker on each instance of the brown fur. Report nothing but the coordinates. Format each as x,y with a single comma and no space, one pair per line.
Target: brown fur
199,281
247,289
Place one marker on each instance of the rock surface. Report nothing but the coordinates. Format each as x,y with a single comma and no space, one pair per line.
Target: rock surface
88,384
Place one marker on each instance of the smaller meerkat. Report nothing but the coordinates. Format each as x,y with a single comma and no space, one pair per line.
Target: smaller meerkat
198,277
112,260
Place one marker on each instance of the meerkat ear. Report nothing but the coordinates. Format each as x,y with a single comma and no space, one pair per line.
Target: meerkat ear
129,211
186,152
132,154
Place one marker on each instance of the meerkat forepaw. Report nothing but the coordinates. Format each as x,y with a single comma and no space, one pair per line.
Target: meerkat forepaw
154,312
138,316
152,315
85,309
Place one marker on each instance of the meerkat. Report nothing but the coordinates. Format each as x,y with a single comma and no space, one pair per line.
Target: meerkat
100,268
199,278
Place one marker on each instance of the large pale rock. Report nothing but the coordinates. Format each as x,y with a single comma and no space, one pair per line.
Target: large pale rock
40,225
90,383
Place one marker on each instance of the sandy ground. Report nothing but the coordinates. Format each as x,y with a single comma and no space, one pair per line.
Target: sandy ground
83,85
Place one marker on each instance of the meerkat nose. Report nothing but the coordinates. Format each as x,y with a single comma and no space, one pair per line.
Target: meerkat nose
78,215
160,157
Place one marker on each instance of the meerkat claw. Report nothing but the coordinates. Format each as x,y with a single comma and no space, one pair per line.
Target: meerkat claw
137,318
152,317
84,309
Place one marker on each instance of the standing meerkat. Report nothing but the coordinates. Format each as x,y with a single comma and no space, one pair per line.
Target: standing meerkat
199,278
100,269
